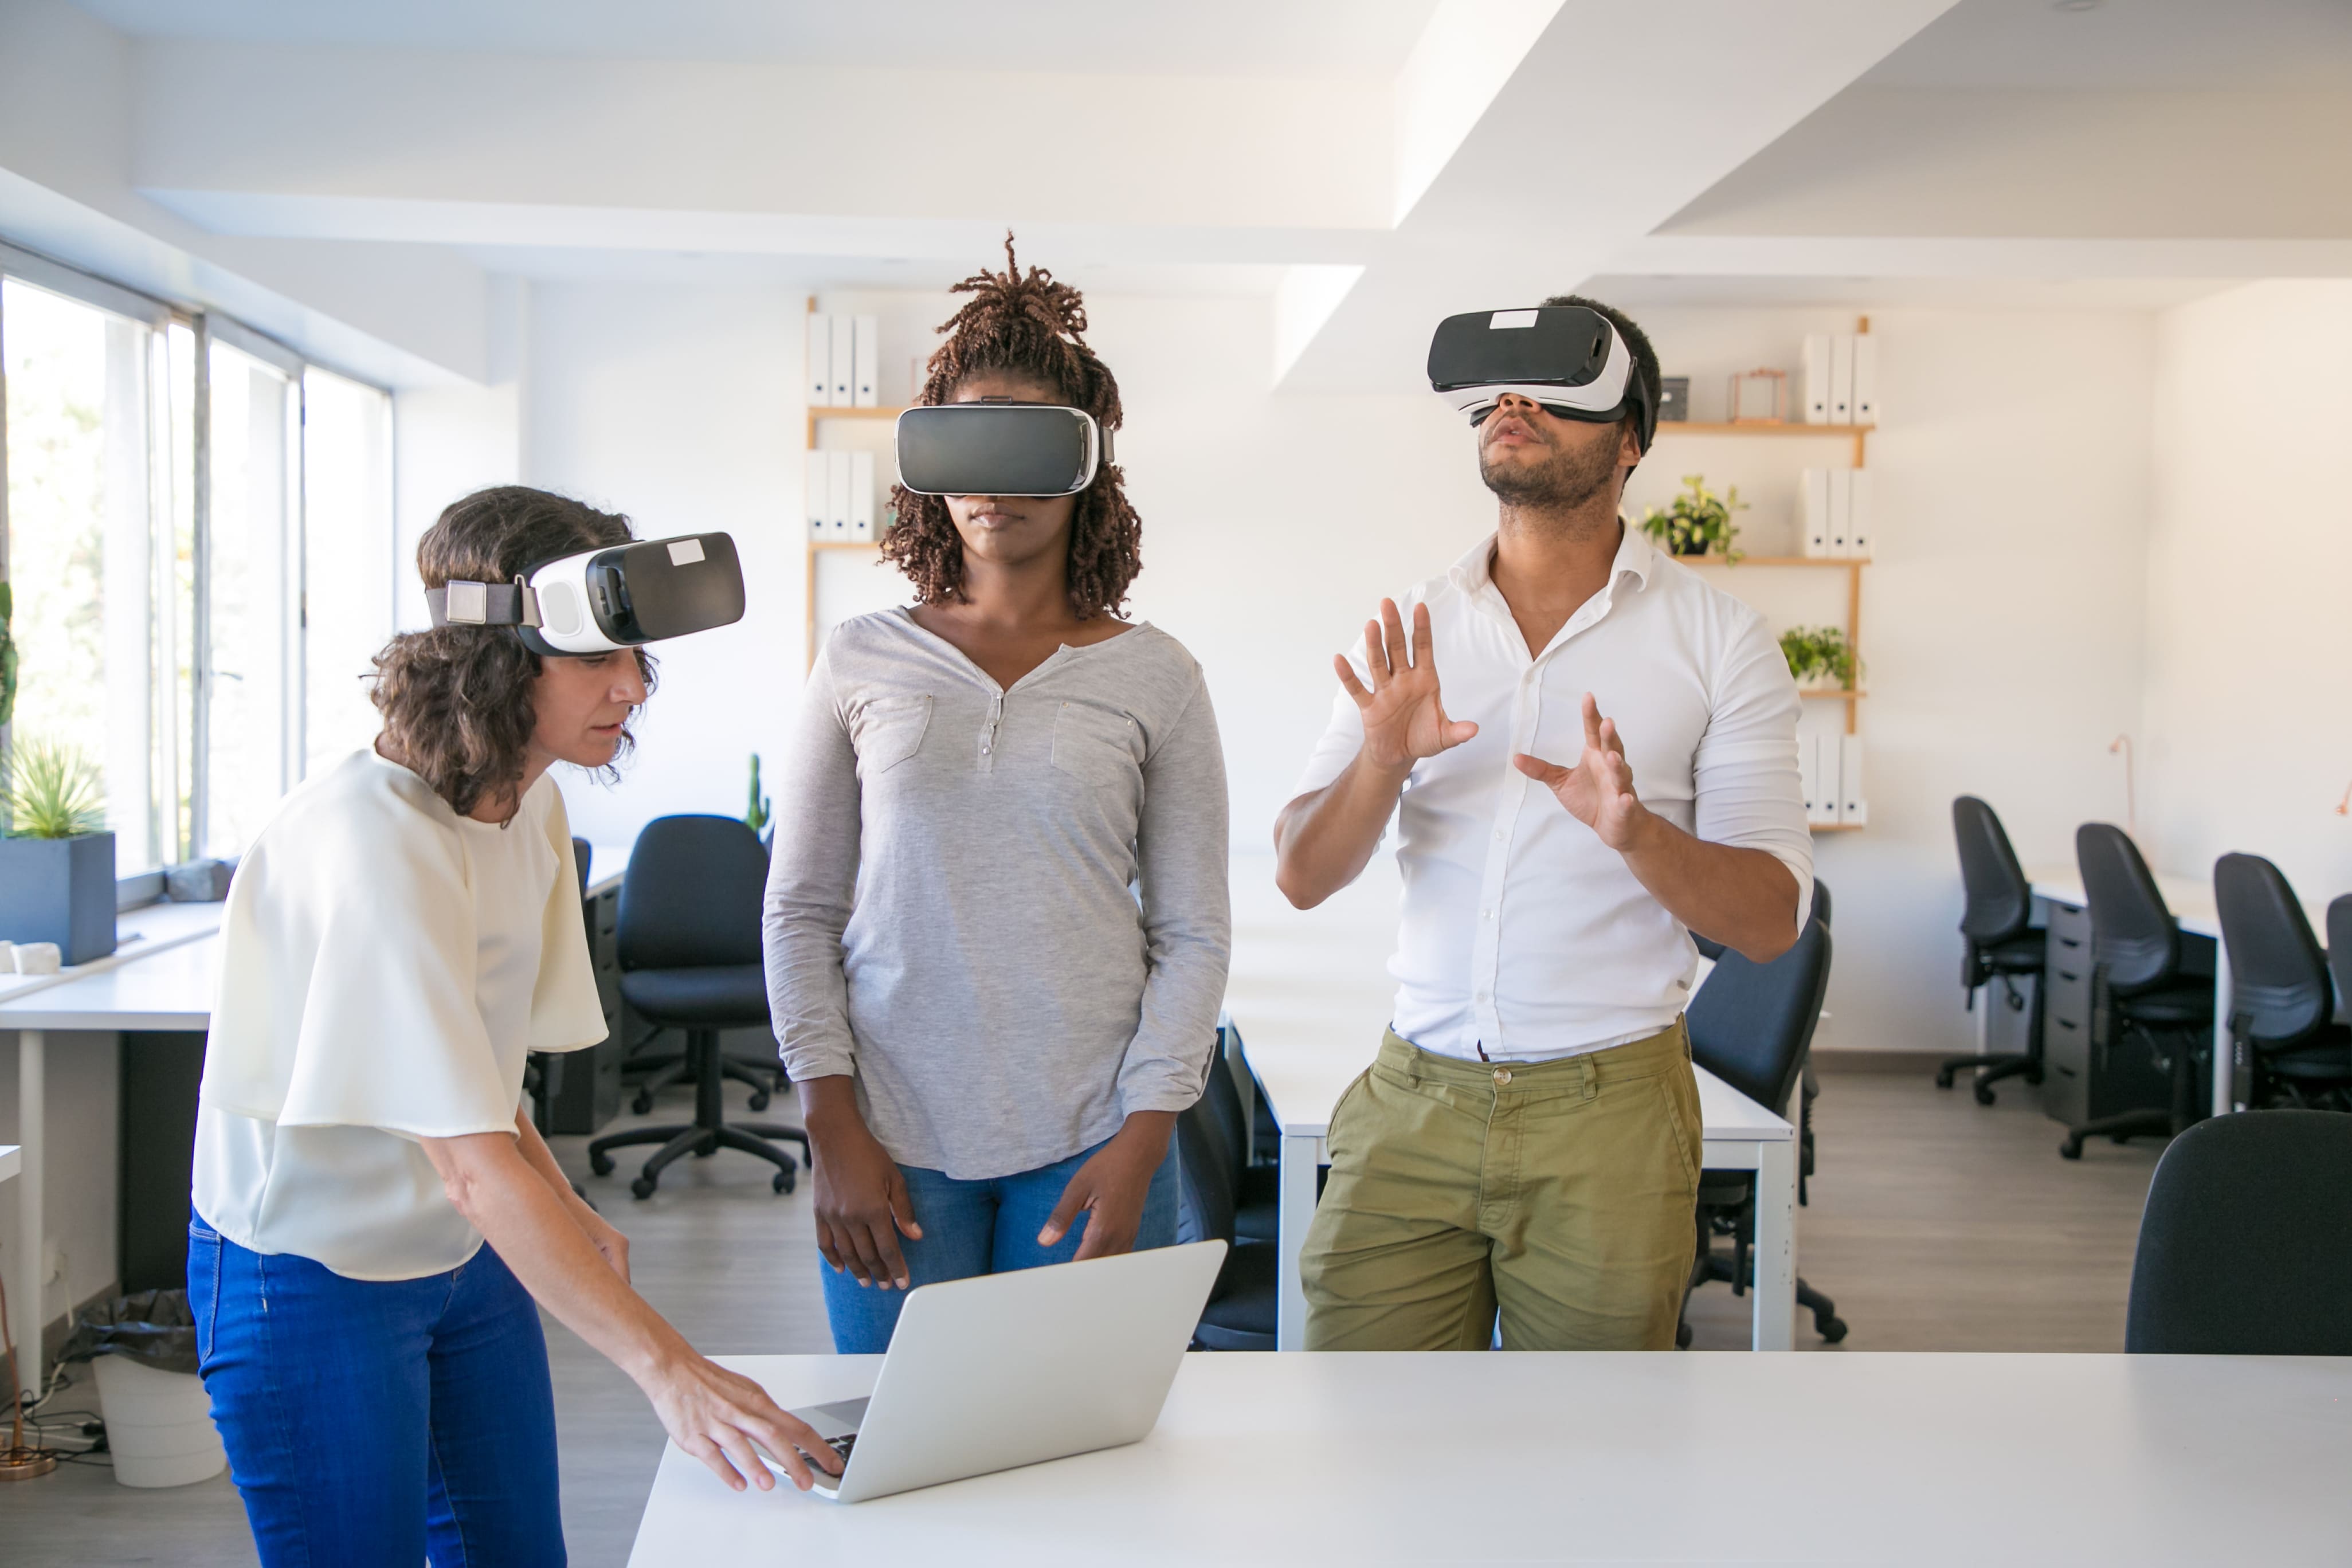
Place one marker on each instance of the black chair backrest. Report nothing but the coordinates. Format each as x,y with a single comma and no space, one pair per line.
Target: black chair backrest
1206,1165
691,896
581,857
1752,1024
2278,993
2133,939
1223,1096
2245,1247
2000,900
2339,945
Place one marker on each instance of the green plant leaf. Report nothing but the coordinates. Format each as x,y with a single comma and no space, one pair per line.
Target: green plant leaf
53,792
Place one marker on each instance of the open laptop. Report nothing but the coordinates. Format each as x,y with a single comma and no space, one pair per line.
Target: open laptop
1010,1369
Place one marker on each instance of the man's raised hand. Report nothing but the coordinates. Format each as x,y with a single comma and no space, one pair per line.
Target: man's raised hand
1404,717
1599,790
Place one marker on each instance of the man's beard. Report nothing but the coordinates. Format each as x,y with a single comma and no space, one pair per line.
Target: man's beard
1567,482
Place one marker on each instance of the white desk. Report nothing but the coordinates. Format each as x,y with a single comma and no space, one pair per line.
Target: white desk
162,980
2190,899
1544,1458
1308,1000
9,1160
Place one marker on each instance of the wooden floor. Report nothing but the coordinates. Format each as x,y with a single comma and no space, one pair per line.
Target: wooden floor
1935,1224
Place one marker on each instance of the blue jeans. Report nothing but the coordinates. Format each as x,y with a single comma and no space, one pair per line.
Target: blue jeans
978,1227
379,1421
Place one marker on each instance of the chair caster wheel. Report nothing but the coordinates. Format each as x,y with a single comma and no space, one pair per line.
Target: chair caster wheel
601,1163
2034,1076
2119,1138
1682,1336
1943,1077
758,1100
643,1105
1984,1095
2072,1148
1832,1330
643,1187
783,1180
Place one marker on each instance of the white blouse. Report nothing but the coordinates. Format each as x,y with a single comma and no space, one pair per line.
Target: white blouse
386,965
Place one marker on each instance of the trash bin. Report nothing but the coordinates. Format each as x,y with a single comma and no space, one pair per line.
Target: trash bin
159,1423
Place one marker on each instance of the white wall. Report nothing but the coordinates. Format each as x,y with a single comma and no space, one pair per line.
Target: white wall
681,409
2250,586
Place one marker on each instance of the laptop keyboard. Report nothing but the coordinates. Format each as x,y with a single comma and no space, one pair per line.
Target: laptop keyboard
840,1446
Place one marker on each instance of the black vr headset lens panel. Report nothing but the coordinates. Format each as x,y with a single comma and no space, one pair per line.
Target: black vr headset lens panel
1569,358
997,449
601,600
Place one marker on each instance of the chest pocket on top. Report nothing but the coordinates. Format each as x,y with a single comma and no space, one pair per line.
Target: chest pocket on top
1102,747
887,732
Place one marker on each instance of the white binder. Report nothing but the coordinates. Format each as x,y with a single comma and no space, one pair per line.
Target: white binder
866,359
1859,513
1853,809
1825,769
845,363
813,467
1814,511
837,498
1842,378
1840,512
861,495
1808,776
818,382
1817,378
1865,380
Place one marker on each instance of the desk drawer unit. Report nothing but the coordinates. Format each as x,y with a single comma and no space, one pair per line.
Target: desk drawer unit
2066,1015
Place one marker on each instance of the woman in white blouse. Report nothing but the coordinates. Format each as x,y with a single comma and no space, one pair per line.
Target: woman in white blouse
375,1224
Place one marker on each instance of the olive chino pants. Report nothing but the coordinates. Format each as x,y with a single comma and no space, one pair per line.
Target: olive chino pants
1561,1192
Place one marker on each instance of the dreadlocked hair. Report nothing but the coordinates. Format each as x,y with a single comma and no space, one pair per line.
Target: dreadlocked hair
1026,324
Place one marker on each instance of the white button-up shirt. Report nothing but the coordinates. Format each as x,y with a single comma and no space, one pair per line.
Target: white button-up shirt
1522,936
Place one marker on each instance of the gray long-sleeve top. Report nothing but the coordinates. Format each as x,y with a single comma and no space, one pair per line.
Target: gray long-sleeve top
950,910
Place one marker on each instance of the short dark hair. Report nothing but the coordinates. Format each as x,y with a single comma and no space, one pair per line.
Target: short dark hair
1646,358
457,700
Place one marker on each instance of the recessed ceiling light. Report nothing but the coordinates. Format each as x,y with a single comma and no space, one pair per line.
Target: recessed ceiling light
2076,5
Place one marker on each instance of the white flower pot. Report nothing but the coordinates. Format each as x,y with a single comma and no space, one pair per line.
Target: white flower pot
159,1425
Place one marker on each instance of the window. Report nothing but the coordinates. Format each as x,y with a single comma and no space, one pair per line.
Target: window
84,552
197,528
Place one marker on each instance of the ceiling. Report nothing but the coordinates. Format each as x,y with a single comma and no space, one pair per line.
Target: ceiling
2110,45
1290,38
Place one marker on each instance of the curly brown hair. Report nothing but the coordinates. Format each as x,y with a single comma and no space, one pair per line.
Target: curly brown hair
457,700
1026,324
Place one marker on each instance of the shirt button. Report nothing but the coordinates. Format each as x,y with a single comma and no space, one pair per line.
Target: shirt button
1482,996
1499,836
1486,915
1502,1075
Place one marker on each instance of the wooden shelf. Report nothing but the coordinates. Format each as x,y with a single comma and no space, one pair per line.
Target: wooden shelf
1836,827
1771,560
816,544
1856,433
818,416
1829,692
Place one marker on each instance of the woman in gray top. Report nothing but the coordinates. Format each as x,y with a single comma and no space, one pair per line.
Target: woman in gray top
996,921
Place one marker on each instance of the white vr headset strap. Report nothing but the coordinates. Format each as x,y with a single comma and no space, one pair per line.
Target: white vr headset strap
467,604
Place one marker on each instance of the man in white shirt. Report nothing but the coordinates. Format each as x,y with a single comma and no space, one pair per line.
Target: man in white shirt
1528,1139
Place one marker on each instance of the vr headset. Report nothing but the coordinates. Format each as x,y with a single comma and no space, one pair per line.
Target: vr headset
1569,358
993,448
603,600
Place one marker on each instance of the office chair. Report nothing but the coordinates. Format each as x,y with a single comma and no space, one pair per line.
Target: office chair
2283,1048
1242,1308
2245,1245
1257,1215
1752,1024
2001,943
2137,983
1810,1089
691,960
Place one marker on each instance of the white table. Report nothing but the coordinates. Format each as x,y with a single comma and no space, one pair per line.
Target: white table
160,980
2191,902
1308,1000
1619,1457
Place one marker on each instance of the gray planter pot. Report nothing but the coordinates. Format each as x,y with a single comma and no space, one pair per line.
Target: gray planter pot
59,890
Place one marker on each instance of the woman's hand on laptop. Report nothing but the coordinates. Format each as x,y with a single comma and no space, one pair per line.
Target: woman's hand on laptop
717,1416
860,1197
1109,1189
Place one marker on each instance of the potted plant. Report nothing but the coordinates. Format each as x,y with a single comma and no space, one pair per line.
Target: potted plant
56,861
1699,522
1819,658
760,813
